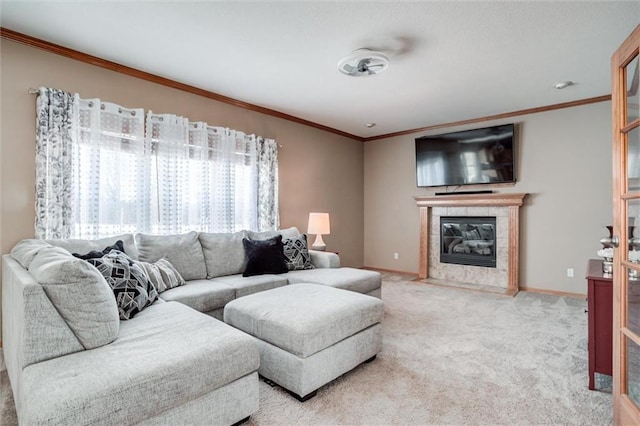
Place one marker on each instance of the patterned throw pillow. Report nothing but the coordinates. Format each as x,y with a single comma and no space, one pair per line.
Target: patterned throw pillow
162,274
297,253
129,283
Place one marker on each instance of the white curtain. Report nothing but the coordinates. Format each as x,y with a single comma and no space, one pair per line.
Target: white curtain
111,185
168,135
211,179
232,180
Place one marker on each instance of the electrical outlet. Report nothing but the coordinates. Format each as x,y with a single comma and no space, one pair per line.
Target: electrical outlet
570,272
395,256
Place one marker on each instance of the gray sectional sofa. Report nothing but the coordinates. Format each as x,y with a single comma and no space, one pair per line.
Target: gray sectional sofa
71,360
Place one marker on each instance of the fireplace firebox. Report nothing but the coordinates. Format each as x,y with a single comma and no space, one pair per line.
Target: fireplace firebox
468,240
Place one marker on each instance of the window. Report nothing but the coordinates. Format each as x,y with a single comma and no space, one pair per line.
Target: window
161,174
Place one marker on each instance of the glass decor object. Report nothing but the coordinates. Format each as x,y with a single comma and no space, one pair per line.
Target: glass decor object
606,252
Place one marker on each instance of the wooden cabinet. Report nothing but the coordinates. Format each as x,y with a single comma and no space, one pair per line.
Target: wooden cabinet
600,314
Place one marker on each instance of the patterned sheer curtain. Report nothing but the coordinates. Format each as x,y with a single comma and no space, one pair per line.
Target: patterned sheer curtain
267,158
111,182
210,179
232,180
56,124
168,136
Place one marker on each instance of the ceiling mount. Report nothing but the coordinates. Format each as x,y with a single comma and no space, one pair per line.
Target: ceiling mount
563,84
363,62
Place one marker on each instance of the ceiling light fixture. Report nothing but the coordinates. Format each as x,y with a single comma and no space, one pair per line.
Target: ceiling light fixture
563,85
363,62
370,125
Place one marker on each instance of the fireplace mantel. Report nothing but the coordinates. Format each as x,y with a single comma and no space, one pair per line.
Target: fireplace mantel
472,200
512,201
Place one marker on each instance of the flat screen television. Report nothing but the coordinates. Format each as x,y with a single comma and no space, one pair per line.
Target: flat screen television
470,157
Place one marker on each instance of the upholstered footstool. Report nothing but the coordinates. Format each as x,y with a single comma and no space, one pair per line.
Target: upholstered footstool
308,334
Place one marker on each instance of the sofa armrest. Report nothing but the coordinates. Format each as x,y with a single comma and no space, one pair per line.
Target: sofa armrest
324,259
32,329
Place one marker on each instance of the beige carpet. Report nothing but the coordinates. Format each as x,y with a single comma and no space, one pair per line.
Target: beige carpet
453,356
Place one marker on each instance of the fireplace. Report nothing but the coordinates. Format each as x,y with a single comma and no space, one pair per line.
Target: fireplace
505,207
468,240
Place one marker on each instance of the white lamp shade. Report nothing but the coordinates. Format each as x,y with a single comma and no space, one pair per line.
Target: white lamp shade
319,224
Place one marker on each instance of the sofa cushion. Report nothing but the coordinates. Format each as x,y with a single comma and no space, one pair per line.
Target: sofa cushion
324,259
79,293
26,250
85,246
166,356
182,250
131,286
264,256
223,253
201,295
296,253
162,274
248,285
265,235
358,280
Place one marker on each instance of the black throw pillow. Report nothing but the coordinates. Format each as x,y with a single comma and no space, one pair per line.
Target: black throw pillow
94,254
264,256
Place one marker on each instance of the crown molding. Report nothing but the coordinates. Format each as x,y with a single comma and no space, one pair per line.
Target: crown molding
535,110
133,72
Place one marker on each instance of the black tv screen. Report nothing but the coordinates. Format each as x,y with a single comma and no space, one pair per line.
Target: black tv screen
470,157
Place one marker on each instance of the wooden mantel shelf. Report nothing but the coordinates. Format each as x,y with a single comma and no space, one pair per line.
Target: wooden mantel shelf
472,200
513,201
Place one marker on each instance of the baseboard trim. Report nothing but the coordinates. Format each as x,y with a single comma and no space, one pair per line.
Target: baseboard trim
530,289
554,292
392,271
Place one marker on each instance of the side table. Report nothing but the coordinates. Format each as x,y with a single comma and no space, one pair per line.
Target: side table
600,316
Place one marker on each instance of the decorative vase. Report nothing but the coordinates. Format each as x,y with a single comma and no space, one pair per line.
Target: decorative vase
607,241
633,274
607,266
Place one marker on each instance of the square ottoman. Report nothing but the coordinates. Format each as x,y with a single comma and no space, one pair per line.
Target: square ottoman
309,334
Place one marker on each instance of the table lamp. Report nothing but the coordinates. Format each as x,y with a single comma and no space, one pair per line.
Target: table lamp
319,225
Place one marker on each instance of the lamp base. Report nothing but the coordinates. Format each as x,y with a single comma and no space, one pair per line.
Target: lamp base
319,244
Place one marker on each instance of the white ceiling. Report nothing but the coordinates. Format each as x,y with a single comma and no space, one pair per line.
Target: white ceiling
450,60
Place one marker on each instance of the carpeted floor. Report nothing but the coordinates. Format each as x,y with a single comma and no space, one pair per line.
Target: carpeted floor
452,356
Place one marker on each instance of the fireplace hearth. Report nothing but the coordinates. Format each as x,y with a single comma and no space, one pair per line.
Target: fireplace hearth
468,240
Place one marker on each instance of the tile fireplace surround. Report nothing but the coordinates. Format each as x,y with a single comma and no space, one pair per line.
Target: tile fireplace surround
505,207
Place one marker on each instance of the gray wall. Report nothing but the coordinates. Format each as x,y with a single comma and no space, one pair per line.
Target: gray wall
564,163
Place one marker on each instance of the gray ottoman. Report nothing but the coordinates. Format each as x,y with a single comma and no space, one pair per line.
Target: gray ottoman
309,334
